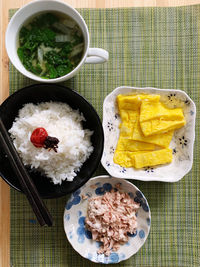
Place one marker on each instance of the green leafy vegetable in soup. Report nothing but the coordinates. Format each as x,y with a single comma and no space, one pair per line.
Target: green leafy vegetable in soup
51,45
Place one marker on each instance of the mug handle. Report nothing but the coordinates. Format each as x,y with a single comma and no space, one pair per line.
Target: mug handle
96,55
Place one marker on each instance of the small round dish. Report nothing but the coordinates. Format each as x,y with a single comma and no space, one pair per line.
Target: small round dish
181,144
76,210
56,93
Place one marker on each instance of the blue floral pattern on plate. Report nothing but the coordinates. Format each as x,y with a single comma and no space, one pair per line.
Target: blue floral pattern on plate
74,199
79,236
181,144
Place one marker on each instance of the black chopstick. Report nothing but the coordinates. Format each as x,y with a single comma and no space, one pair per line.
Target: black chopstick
28,187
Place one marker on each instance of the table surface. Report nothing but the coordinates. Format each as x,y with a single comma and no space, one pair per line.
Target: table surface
4,89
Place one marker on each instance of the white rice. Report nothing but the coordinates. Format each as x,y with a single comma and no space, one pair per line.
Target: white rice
62,122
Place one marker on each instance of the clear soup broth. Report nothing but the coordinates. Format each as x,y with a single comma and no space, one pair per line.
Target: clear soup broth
50,45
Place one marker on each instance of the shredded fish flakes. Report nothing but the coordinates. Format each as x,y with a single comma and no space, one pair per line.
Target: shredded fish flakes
110,218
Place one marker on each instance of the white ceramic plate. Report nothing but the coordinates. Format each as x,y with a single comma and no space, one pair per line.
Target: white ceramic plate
181,144
80,238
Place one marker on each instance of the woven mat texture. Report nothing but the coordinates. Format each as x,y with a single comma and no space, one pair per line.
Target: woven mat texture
157,47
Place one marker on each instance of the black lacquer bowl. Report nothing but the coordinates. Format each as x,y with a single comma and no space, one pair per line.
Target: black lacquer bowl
43,93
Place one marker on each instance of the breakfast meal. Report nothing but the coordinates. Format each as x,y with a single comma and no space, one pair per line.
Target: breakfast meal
50,137
50,45
57,148
146,130
111,218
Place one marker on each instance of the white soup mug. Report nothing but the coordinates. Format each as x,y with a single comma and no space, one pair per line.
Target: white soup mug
90,55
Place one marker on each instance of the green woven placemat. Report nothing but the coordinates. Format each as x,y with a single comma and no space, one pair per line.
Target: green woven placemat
158,47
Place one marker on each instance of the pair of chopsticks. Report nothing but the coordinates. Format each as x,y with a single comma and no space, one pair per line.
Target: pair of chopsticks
28,187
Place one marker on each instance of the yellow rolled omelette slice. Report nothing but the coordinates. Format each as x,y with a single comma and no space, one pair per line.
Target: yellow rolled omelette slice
140,159
133,102
155,98
126,129
129,121
162,140
151,110
129,115
152,158
125,158
158,126
125,144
